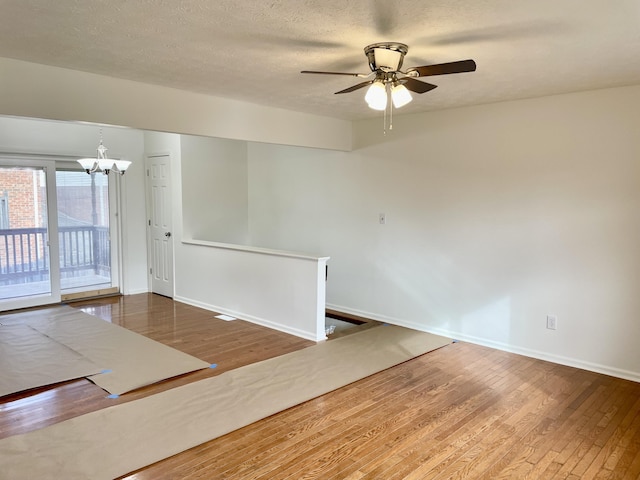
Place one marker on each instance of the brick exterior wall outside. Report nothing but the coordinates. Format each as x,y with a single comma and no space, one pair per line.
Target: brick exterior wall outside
23,189
26,208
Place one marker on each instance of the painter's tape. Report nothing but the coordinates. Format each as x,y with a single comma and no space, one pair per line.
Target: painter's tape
113,395
106,370
213,365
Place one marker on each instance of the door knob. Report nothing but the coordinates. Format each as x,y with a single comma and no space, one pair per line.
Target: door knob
167,234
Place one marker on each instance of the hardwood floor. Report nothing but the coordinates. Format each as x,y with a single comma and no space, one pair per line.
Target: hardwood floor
189,329
463,411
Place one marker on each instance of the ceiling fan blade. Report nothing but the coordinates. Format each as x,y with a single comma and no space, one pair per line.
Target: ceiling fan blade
417,86
460,66
362,75
355,87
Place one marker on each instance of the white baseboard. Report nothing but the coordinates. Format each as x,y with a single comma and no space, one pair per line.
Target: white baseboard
137,291
251,318
527,352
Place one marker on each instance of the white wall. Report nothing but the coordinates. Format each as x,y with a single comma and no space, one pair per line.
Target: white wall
40,91
215,204
59,138
497,215
280,290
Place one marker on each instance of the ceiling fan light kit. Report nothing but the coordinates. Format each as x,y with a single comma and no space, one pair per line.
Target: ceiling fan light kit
390,87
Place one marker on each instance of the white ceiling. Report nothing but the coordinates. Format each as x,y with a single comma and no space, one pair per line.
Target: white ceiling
254,50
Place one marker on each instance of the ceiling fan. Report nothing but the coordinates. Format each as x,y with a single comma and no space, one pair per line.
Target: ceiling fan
385,61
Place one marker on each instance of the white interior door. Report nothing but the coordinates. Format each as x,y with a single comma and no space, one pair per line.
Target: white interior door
160,224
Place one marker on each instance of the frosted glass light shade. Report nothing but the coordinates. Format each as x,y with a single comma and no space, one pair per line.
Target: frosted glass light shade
400,96
121,165
376,96
105,164
87,163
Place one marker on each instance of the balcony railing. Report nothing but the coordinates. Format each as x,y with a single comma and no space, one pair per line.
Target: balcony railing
24,253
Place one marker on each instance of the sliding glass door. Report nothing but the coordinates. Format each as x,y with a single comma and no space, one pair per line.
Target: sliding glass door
57,232
83,231
28,236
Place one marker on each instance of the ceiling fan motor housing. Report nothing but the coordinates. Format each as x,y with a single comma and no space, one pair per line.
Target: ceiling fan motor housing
386,56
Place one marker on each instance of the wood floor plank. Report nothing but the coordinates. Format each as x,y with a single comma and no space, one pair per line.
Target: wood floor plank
628,451
628,430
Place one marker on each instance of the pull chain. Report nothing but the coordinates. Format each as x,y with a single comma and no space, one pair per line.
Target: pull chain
389,107
384,122
384,118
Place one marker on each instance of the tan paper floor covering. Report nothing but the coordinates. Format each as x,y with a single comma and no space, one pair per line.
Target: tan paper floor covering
120,439
133,360
30,359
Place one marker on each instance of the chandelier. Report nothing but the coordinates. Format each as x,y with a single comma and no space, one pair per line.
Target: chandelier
106,165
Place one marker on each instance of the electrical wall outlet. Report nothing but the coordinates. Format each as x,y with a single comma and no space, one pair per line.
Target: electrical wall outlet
552,322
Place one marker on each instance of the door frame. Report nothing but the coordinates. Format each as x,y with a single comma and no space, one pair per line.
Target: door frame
116,230
116,237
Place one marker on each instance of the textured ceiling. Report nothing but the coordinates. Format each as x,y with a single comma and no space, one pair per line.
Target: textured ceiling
254,50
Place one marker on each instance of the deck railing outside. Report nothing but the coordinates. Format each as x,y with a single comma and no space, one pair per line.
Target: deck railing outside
24,253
